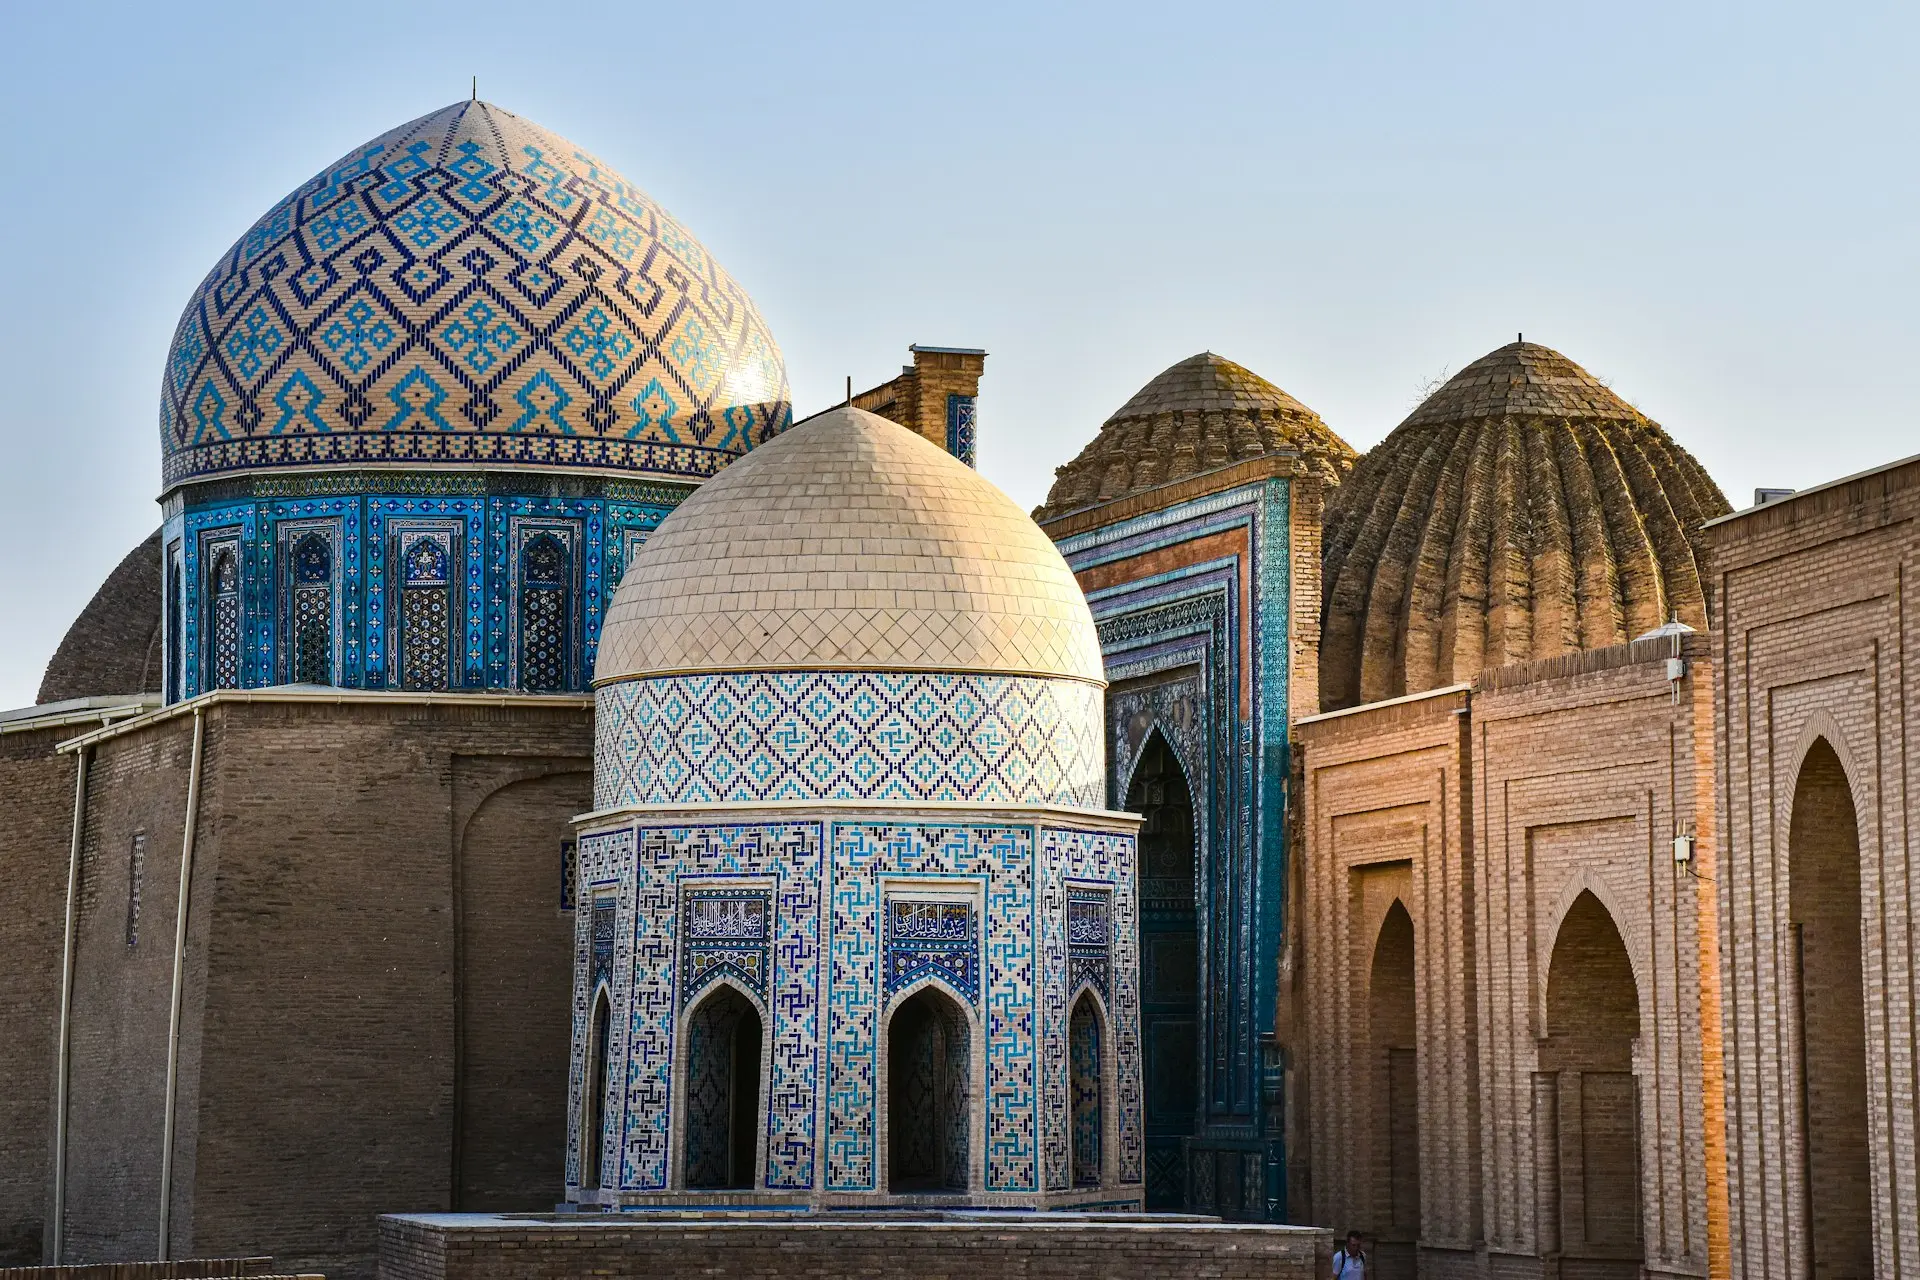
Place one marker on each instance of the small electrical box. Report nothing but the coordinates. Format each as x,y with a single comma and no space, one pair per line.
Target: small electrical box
1682,846
1676,670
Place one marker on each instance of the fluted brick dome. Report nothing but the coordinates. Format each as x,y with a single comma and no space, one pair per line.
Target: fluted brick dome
1522,511
849,542
113,647
468,290
1200,415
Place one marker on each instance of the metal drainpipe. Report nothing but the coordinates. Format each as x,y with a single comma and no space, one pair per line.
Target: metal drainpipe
66,1007
179,977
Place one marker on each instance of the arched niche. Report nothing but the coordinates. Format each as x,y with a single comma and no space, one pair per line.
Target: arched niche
720,1088
1823,884
929,1094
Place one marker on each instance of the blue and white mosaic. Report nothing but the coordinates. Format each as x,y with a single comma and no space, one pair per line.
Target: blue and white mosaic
980,909
848,735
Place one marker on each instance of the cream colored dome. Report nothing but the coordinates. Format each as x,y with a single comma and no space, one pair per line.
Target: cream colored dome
849,542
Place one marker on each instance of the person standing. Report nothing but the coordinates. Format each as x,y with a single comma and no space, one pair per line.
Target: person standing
1350,1263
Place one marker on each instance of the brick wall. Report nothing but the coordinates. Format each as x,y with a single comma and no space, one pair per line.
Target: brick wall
375,1013
1549,792
1814,621
917,399
1048,1246
34,839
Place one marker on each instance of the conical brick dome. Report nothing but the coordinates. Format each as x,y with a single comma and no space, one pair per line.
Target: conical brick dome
1522,511
1199,415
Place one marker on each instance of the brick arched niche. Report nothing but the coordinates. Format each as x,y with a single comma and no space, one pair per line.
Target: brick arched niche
1393,1074
1823,876
1589,1153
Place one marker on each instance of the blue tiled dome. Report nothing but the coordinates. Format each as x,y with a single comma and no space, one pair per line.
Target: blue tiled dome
468,289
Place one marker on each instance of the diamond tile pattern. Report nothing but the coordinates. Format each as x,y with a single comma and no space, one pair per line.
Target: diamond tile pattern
849,541
848,735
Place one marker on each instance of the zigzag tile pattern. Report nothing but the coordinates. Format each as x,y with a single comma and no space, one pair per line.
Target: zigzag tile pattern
469,289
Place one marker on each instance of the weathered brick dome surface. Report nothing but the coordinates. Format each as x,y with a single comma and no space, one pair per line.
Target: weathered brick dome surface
1199,415
113,647
469,290
1522,511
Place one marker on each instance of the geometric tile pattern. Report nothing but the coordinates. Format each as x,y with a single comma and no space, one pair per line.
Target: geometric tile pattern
928,939
468,288
727,933
1000,858
818,893
1078,865
486,593
847,735
1212,597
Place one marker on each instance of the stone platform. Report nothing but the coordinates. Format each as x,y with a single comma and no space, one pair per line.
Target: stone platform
923,1246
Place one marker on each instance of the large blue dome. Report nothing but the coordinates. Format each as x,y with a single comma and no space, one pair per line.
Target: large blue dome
468,290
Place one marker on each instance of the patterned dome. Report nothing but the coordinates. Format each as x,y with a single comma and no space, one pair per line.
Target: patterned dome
1522,511
468,289
1199,415
849,542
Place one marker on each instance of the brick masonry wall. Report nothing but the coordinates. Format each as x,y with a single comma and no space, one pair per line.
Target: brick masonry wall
375,1012
37,787
1488,813
1584,771
1814,623
1385,813
448,1249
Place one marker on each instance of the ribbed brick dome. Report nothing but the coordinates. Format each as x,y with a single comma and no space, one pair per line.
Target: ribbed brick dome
1199,415
1522,511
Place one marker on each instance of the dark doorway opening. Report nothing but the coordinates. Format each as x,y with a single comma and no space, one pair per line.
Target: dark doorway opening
1169,969
929,1063
723,1093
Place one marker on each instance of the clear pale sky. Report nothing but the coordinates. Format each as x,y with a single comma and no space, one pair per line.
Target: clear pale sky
1713,207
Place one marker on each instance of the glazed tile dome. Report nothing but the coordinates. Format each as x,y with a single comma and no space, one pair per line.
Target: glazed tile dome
468,289
1522,511
849,542
1199,415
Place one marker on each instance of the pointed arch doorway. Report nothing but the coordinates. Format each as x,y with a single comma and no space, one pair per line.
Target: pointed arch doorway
1169,967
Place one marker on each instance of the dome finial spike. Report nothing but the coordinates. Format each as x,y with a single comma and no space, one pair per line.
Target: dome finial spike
1519,337
476,90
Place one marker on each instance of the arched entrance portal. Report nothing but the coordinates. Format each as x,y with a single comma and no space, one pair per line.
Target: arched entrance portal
1593,1019
1089,1116
593,1093
1169,978
1823,878
1396,1101
723,1093
929,1062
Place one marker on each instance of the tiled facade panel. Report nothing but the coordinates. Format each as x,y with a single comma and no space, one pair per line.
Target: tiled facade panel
849,735
828,883
1196,612
1816,623
368,531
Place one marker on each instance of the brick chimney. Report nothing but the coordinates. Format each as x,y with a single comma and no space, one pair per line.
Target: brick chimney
934,396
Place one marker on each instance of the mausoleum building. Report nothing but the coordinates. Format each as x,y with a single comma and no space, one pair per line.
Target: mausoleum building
854,925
